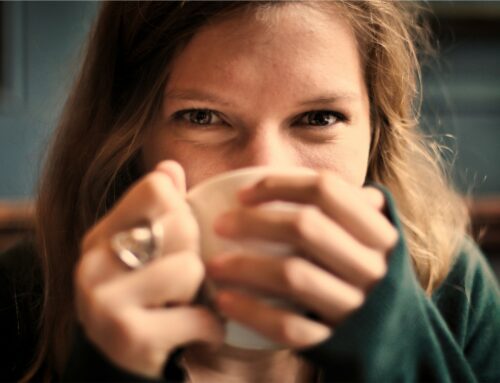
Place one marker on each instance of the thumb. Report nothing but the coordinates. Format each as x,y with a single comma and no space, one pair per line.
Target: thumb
176,173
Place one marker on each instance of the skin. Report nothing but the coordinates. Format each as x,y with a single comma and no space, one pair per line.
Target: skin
274,73
292,94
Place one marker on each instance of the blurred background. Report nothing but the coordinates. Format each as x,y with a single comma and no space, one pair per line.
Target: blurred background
40,45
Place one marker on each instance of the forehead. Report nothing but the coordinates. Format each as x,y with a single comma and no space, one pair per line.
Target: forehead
303,46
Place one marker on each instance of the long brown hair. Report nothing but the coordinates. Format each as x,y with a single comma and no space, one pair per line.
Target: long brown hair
116,96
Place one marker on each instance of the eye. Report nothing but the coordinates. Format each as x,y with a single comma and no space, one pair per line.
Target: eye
198,116
321,118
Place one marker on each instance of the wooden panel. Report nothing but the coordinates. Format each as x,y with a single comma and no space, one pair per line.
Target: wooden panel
16,221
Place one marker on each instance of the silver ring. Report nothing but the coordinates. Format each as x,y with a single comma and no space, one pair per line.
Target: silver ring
137,246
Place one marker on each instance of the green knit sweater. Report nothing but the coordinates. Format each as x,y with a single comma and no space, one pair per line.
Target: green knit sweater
401,335
398,335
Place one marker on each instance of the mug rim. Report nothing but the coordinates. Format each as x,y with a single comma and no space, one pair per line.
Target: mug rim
261,170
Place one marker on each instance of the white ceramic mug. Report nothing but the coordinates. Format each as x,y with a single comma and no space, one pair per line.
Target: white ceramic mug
217,195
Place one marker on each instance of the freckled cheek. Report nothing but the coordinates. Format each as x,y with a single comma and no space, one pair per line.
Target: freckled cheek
354,173
200,166
195,168
350,163
354,167
198,163
355,157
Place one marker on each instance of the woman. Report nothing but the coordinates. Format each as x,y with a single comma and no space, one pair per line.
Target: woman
170,94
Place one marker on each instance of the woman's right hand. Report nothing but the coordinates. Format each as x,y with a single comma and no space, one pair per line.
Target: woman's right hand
137,318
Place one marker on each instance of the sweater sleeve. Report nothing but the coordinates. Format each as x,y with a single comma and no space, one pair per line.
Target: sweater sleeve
400,334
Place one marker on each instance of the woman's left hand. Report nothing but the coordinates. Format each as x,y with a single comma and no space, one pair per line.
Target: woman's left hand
343,239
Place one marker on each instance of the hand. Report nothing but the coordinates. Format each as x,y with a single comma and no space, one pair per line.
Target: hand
137,318
343,240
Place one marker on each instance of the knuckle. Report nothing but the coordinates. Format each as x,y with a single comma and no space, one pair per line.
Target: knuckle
304,221
379,269
128,332
153,356
374,270
386,240
118,330
181,232
293,274
88,267
98,299
264,184
357,299
373,196
194,268
377,193
325,182
290,330
131,335
383,268
241,215
189,227
392,237
93,307
154,187
372,191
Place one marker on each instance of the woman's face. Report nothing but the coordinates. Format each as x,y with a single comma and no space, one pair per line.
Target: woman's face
245,92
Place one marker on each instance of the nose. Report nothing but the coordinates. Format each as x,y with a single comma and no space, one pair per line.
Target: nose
268,147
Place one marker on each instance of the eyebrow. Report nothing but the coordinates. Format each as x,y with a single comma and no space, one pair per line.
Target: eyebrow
195,95
332,97
198,95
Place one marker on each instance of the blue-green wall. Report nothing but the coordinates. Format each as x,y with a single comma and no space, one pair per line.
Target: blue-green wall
45,40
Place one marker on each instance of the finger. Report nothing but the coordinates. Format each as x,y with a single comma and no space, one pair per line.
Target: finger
172,280
191,324
96,265
101,263
176,173
292,278
180,232
279,325
374,197
309,230
151,197
145,337
340,201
